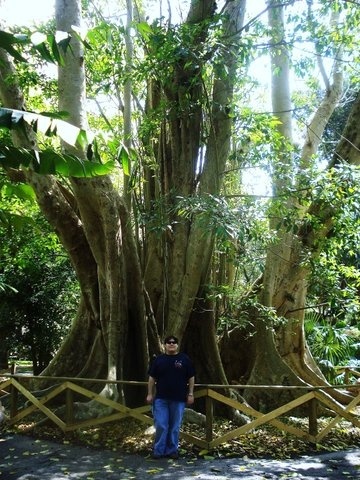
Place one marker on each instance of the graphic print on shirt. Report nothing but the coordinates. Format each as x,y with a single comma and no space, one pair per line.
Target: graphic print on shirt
178,364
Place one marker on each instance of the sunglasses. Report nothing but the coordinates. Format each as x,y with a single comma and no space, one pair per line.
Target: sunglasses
171,342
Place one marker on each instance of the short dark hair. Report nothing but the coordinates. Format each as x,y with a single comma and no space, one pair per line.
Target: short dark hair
171,337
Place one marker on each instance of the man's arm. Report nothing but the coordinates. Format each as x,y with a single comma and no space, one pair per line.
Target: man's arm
190,395
151,390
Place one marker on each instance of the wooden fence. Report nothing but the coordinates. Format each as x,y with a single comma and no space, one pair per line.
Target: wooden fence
348,372
311,398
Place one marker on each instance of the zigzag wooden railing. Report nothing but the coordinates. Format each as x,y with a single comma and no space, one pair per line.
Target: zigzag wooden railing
348,372
312,398
69,388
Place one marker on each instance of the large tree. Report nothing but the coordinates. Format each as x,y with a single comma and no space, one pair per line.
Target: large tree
286,358
135,287
118,304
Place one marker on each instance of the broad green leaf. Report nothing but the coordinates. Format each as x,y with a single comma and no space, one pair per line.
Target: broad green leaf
56,51
50,162
80,34
124,160
6,42
12,157
20,190
82,140
64,43
44,52
144,30
48,46
46,124
62,115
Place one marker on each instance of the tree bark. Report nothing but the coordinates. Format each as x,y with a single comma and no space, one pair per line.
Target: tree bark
178,264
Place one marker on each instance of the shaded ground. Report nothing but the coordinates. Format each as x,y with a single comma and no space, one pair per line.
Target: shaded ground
131,436
121,451
27,458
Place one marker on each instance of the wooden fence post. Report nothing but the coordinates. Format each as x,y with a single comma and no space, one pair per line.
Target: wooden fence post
209,418
69,408
13,401
313,425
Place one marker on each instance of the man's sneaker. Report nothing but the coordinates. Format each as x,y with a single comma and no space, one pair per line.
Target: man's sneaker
154,456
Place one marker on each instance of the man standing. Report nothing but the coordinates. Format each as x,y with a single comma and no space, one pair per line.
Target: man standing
171,375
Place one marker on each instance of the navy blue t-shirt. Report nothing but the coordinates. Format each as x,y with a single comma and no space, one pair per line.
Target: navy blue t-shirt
172,373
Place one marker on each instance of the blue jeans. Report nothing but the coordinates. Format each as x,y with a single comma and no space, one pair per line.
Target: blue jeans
168,415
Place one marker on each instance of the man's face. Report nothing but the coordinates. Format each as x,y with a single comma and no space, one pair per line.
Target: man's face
171,347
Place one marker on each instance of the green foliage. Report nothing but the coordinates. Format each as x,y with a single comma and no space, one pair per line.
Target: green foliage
105,73
236,309
49,161
335,277
214,213
40,291
252,136
48,47
36,313
329,342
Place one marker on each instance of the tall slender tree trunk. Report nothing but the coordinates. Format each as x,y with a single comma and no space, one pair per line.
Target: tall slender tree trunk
285,276
269,367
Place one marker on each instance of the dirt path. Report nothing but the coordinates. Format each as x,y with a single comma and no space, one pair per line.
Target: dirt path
26,458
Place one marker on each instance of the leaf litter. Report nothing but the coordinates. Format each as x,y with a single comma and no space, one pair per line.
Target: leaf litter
128,435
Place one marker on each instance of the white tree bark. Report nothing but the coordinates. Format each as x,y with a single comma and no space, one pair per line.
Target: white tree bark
127,96
285,275
333,93
71,77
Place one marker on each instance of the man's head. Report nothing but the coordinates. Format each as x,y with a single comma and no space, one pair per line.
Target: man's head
171,344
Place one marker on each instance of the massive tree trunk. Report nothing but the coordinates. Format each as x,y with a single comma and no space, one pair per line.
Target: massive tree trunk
291,339
116,304
292,345
94,226
178,261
